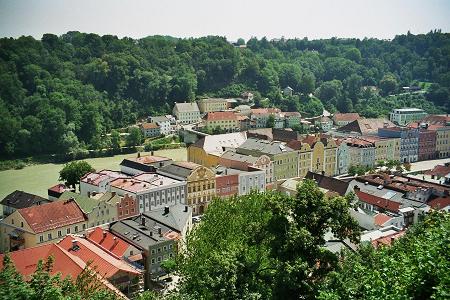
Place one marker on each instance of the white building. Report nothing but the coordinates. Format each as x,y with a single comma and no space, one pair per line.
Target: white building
152,190
164,124
254,180
98,182
186,113
404,116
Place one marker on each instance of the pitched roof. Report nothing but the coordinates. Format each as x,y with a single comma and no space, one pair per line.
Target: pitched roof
159,119
105,263
176,219
85,203
328,183
108,241
178,170
378,201
95,178
232,155
65,263
220,115
366,126
439,170
264,147
52,215
216,144
187,107
440,203
19,199
381,218
346,117
59,188
149,125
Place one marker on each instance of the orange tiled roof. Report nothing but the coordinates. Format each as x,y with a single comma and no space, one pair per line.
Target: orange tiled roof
378,201
380,219
149,125
52,215
440,202
106,265
346,117
108,241
220,115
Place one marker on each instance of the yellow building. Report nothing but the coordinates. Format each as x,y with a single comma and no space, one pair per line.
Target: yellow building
385,148
225,120
305,155
443,142
200,180
212,104
42,224
209,149
324,154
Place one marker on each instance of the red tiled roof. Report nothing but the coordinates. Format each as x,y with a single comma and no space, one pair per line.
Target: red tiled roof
149,125
220,115
65,263
387,240
378,201
59,188
440,203
52,215
257,111
294,144
439,170
380,219
346,117
108,241
105,264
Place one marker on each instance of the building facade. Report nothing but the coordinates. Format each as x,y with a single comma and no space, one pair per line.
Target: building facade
409,141
404,116
225,120
186,113
164,124
427,144
212,105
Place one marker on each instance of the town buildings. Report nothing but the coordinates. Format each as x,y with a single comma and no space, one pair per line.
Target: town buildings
200,182
342,119
186,113
141,164
151,190
98,182
225,120
427,144
361,152
212,105
365,126
284,159
409,141
41,224
208,150
164,124
20,199
404,116
150,130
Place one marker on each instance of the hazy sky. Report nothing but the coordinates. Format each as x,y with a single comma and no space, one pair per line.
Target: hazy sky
230,18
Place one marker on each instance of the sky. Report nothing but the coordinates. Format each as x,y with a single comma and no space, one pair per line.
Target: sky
231,18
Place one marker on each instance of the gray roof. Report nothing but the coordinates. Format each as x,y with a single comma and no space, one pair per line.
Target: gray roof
265,147
187,107
176,219
19,199
178,170
232,155
159,119
141,236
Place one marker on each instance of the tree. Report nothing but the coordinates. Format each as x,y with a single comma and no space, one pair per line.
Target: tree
168,265
72,172
265,246
413,267
388,84
115,139
134,137
270,121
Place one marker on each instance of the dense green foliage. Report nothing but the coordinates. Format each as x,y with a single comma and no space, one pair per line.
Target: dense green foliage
415,267
72,172
61,94
44,286
264,246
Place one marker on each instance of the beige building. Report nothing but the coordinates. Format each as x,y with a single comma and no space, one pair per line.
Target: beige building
443,141
305,155
212,105
225,120
42,224
385,148
324,154
200,180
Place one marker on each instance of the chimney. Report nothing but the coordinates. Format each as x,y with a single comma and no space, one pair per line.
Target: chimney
104,234
142,221
160,231
356,188
166,210
75,244
185,208
152,153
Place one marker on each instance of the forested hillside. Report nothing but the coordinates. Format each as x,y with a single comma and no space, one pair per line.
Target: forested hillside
60,93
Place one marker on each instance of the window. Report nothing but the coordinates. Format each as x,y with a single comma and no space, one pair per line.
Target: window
153,261
12,221
165,248
159,250
21,224
170,246
68,230
131,252
49,236
153,251
41,238
84,226
59,233
159,258
76,228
